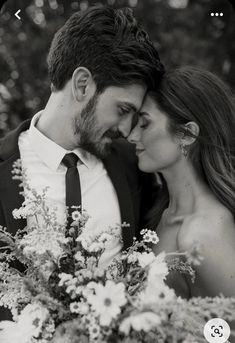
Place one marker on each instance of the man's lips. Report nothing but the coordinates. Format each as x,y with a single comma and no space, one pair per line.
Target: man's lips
113,134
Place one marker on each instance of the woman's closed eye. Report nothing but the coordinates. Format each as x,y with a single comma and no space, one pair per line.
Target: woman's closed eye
144,123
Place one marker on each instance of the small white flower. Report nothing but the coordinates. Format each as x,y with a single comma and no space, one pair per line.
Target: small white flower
156,293
92,285
76,215
107,301
150,236
85,240
74,307
95,247
87,274
143,231
132,258
194,255
94,331
145,258
89,319
64,277
91,262
89,289
41,240
83,308
71,288
105,237
98,272
34,315
79,257
86,292
79,290
142,321
28,208
28,326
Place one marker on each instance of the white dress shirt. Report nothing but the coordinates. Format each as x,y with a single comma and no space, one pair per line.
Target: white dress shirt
41,158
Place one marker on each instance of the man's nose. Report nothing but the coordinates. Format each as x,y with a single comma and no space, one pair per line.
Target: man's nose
125,127
134,135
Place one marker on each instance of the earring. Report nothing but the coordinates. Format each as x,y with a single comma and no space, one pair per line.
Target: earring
183,149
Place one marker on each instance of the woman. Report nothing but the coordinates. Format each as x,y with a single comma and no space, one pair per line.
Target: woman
186,133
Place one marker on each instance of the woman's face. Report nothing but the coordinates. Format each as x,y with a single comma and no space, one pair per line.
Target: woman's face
157,149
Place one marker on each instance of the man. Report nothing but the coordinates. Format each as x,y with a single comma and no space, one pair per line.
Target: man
101,64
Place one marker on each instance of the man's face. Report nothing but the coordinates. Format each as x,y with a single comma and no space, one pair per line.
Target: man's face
108,116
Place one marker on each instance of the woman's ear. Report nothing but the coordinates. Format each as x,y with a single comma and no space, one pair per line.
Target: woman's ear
82,83
191,134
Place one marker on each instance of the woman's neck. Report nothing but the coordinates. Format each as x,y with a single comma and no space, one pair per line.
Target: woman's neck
186,189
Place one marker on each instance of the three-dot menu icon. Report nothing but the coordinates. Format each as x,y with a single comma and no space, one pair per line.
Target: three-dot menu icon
216,14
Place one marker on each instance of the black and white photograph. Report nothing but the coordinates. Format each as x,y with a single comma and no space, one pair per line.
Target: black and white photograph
117,171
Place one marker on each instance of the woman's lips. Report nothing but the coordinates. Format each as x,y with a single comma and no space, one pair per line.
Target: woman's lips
138,151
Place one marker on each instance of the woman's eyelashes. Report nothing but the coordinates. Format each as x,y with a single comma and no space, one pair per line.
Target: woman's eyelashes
144,123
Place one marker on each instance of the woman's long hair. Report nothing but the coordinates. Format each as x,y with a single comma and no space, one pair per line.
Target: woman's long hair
190,94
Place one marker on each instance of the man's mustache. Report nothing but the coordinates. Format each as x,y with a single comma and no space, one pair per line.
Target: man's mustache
113,134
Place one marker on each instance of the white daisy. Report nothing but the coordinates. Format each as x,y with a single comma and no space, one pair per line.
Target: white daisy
76,215
94,331
107,301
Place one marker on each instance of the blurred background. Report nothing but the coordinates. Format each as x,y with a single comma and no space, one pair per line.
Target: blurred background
184,32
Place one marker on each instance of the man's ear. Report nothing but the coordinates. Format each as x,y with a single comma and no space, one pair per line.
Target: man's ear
82,83
192,132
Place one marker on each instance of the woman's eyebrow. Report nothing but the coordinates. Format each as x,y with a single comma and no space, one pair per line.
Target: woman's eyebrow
141,114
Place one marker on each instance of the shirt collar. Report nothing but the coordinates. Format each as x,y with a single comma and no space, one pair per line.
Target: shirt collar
50,152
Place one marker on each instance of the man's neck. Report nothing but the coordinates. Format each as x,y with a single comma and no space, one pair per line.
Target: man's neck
55,121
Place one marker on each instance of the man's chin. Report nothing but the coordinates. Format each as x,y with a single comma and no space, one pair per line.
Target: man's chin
106,141
106,148
99,150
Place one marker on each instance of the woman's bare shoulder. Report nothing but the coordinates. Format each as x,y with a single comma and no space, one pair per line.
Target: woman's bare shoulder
214,232
207,226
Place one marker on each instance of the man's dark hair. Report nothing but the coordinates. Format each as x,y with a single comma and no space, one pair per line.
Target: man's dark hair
110,44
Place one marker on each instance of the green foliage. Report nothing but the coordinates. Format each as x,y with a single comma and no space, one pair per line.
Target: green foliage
183,30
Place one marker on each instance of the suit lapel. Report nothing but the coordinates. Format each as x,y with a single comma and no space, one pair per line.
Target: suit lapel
116,172
10,196
9,189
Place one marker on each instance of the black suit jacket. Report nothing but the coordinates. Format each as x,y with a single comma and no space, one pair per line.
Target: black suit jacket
133,188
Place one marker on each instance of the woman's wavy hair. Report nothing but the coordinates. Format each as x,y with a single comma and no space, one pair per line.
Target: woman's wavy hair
190,94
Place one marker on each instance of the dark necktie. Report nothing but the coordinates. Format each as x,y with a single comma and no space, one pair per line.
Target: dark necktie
72,184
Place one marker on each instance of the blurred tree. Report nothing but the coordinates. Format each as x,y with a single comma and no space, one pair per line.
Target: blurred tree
183,30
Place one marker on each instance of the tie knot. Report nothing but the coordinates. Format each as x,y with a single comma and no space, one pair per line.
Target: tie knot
70,160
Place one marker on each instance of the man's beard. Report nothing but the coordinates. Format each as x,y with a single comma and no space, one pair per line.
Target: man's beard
91,138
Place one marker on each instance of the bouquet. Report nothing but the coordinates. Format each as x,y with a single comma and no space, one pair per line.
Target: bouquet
63,294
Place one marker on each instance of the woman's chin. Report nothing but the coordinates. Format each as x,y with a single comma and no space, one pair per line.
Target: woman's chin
144,167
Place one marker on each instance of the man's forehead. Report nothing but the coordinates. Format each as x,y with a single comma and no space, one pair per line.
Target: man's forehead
131,96
126,93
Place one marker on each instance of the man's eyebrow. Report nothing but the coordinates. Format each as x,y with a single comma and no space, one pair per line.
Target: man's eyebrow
129,105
